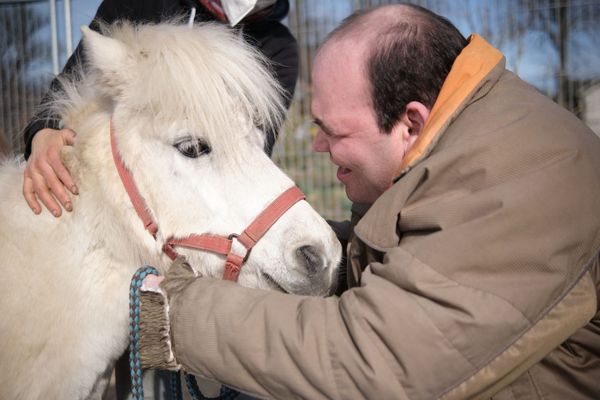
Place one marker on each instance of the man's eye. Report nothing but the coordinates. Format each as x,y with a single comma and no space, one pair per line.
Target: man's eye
192,147
321,127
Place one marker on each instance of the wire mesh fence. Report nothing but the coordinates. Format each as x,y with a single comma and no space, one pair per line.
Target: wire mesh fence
553,44
24,29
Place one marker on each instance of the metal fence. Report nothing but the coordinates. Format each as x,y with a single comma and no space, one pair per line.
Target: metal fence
553,44
35,40
20,91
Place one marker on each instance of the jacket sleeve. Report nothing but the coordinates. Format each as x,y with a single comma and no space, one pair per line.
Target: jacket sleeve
379,341
484,282
279,46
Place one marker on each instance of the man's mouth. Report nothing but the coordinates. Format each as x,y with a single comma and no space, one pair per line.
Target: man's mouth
342,173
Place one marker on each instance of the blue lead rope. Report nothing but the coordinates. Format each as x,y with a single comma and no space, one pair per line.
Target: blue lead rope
192,386
135,367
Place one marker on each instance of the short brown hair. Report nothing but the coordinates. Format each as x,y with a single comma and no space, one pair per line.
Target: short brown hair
412,53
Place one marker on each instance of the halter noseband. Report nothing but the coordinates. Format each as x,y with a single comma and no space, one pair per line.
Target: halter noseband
213,243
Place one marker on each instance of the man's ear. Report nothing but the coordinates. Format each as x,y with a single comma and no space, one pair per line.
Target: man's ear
414,119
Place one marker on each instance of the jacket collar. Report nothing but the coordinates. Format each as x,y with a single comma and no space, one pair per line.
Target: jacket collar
472,67
472,75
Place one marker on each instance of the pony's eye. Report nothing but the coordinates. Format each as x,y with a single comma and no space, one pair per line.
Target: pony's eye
192,147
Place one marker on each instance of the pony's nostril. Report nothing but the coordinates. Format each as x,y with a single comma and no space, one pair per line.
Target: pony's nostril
312,258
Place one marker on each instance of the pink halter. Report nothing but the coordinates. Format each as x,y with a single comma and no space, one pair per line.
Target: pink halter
213,243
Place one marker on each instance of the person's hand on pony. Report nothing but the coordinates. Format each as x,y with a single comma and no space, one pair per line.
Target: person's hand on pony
45,176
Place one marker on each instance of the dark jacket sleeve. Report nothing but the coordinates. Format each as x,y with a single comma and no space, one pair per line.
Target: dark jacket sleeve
276,42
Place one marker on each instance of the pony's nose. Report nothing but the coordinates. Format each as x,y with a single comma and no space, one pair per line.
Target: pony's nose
312,258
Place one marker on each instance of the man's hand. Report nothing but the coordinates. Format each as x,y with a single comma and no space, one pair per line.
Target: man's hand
45,175
155,343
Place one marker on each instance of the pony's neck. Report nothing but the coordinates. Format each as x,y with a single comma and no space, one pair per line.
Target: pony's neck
102,202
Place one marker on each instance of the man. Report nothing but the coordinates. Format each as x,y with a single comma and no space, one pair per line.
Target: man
473,265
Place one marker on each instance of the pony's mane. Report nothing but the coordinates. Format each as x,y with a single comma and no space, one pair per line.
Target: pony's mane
207,74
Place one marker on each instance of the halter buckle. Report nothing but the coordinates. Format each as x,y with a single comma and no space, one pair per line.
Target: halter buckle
234,237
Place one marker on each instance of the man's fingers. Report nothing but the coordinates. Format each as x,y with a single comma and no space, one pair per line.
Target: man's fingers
29,194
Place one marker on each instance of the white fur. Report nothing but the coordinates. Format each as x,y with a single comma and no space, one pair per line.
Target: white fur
65,281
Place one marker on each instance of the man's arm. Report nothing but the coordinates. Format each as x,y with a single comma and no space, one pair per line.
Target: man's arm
374,342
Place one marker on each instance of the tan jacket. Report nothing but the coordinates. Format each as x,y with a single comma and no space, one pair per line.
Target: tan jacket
476,274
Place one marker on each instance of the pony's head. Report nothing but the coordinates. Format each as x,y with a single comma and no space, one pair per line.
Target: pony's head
186,105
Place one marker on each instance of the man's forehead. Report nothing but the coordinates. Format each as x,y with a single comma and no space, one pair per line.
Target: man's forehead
340,69
344,50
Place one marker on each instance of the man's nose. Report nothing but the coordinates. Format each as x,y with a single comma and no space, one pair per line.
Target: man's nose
320,143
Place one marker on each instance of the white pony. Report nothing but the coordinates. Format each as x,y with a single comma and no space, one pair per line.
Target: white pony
184,105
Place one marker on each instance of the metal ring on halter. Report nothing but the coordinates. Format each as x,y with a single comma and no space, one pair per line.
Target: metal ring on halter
234,237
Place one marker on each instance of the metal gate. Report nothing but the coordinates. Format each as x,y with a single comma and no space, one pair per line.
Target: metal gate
35,40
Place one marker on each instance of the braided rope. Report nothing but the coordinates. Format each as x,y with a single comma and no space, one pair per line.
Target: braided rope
225,393
228,393
175,381
135,368
192,386
137,389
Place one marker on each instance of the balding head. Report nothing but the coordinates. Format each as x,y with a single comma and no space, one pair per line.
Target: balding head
405,51
365,25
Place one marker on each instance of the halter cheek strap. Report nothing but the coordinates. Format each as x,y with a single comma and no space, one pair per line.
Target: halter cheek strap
248,238
213,243
134,195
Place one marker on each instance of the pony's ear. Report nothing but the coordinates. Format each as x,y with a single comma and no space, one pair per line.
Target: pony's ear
107,55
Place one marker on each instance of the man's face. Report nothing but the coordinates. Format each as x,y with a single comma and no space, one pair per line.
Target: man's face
367,159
